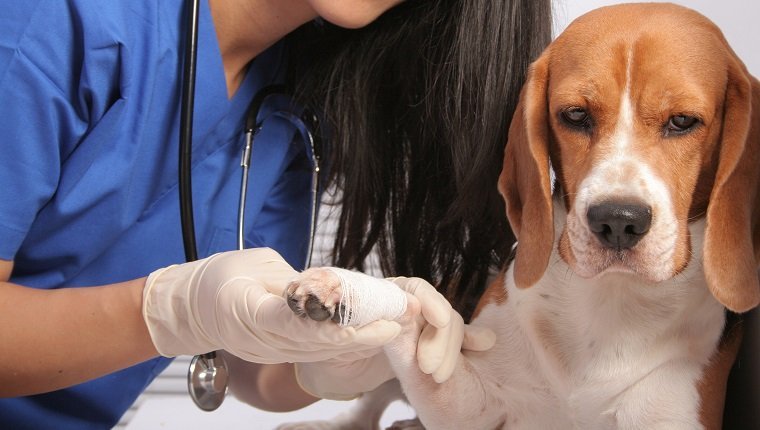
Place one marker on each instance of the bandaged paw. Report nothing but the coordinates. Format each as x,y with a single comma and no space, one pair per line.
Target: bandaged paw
347,298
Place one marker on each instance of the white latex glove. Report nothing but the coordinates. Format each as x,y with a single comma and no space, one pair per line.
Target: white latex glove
233,301
345,377
441,341
445,334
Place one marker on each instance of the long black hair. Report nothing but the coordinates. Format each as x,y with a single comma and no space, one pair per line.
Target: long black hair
417,106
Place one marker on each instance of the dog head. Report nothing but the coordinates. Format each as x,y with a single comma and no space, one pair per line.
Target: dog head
650,122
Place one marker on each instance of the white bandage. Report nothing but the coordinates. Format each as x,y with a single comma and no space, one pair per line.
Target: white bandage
365,299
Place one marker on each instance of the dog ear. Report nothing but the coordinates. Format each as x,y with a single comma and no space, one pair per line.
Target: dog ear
524,181
732,235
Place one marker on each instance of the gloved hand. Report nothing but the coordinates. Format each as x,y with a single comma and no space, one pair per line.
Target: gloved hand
443,336
345,377
233,301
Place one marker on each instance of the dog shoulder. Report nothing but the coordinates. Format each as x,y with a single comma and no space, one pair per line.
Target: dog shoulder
495,294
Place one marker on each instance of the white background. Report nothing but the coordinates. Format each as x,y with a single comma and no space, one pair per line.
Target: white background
166,405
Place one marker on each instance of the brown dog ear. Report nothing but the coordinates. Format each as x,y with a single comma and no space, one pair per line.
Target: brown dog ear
732,235
524,181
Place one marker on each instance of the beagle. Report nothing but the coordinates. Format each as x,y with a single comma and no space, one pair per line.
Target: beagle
631,178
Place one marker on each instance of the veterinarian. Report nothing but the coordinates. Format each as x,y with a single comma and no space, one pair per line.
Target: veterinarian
411,98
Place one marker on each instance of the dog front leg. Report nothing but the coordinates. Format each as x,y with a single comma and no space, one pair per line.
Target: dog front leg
466,400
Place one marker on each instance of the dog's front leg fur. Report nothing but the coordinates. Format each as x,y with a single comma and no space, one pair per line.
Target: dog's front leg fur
463,401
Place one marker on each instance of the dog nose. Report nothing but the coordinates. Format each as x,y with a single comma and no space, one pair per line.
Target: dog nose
619,226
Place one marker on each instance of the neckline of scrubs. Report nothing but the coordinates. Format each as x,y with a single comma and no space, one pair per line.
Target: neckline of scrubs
211,84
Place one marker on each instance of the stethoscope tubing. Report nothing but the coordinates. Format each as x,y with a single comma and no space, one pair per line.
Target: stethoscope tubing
245,163
252,127
186,131
197,389
207,374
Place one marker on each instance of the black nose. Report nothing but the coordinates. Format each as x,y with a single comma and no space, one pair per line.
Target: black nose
619,226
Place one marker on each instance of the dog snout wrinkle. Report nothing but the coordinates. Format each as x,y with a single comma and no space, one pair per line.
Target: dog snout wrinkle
619,226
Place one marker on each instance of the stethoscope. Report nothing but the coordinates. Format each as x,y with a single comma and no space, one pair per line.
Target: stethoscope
208,376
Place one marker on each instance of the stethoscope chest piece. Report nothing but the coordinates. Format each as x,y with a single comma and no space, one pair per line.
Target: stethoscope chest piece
207,380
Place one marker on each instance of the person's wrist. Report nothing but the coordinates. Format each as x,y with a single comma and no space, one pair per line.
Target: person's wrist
168,311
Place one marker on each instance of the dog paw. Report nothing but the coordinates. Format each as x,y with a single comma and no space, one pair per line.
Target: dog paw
345,297
316,294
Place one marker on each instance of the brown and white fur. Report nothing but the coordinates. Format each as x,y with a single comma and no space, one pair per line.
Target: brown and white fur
620,328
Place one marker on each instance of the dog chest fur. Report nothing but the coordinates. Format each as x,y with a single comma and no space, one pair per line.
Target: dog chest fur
582,351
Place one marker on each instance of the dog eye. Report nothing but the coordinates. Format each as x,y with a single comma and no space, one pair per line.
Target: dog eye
576,117
678,124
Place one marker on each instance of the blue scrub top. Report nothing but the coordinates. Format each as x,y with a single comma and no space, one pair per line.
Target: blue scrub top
88,170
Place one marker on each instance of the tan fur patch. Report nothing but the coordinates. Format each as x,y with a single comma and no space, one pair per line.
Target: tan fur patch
495,293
